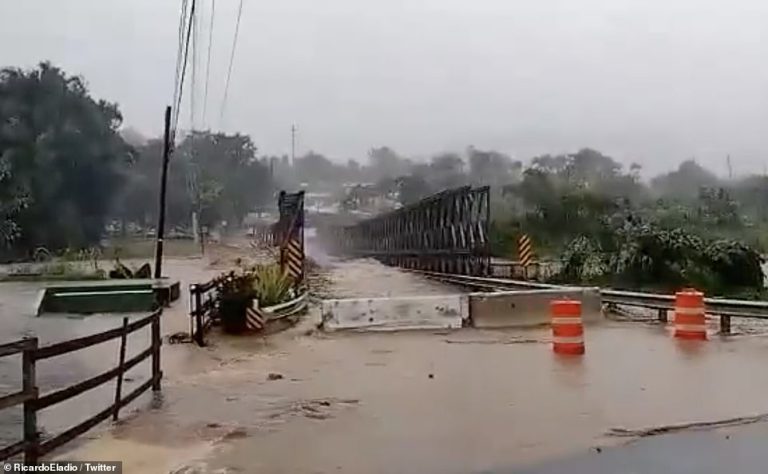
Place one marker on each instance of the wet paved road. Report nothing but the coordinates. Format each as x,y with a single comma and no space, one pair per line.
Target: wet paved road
744,451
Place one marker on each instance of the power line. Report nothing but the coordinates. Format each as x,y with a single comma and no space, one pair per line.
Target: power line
180,50
231,61
208,61
193,85
183,69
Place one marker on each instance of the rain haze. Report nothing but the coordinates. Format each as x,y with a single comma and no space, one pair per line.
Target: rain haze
650,81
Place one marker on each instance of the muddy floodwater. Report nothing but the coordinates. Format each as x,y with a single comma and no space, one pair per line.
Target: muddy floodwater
463,401
18,319
430,402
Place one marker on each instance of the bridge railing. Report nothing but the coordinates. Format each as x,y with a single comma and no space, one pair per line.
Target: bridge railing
723,307
446,232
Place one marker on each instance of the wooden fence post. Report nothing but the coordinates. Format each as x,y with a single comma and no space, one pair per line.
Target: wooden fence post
725,324
29,385
121,365
156,343
198,303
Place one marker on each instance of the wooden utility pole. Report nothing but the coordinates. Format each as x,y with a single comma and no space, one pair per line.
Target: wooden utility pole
163,186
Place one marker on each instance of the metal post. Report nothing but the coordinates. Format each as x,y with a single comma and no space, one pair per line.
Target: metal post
157,374
487,231
725,324
121,365
29,385
163,186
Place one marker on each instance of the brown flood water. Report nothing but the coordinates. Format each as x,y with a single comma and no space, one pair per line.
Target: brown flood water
18,319
495,399
422,402
425,402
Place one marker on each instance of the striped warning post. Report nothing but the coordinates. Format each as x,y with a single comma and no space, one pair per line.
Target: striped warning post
525,250
294,259
690,318
254,319
567,327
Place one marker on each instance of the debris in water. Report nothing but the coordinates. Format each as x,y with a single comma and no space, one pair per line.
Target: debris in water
494,341
236,433
274,376
179,338
699,426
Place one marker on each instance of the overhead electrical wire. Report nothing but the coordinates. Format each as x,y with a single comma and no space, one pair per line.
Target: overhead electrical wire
195,55
180,49
231,61
182,74
208,62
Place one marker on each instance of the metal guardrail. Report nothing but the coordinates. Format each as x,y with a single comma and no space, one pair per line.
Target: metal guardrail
718,306
723,307
289,308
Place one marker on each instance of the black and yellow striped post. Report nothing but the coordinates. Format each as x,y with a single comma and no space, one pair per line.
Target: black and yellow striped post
294,259
292,235
525,252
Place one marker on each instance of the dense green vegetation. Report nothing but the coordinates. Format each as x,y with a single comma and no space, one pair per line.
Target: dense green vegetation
67,175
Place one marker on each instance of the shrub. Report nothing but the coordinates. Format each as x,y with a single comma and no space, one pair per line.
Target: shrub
272,286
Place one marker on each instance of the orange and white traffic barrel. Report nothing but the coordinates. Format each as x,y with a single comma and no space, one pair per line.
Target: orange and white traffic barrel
567,328
690,319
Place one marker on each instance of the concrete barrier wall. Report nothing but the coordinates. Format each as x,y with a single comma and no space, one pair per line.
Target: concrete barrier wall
396,313
529,307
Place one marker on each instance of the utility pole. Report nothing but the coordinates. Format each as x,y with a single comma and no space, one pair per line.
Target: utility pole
163,186
730,167
293,144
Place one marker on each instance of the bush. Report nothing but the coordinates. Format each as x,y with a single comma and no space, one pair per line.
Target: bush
646,257
271,285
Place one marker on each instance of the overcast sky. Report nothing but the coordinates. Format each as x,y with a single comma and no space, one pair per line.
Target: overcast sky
652,81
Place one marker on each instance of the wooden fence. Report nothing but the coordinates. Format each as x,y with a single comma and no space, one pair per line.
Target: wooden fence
203,304
31,445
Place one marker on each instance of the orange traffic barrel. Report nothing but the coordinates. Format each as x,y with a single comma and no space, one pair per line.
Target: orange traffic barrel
690,321
567,328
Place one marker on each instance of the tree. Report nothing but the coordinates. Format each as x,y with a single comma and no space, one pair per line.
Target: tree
314,167
685,182
446,171
215,174
386,163
224,177
492,168
12,200
412,189
62,155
